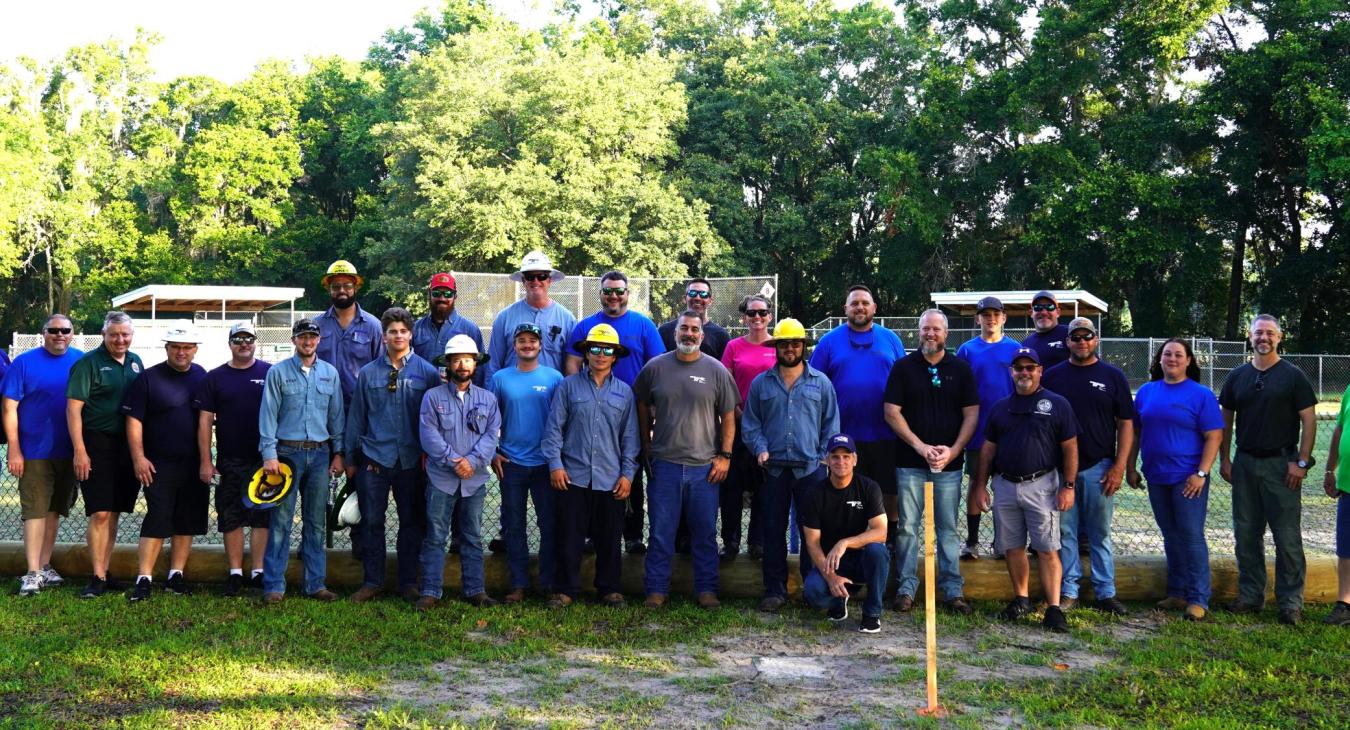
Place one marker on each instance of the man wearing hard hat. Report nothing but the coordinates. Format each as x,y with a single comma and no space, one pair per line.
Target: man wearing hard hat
790,414
162,433
458,425
349,336
555,321
591,444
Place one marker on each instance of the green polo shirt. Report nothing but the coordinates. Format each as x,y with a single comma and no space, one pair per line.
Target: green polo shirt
100,381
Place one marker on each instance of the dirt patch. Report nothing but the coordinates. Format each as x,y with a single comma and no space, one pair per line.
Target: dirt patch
799,671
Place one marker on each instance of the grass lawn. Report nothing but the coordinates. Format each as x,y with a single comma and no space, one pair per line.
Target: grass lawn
211,661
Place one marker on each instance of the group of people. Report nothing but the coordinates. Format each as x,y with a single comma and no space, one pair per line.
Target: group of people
616,429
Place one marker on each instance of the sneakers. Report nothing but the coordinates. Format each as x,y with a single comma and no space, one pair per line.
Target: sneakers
30,584
1111,605
50,578
1016,608
1291,616
1055,620
256,582
838,611
177,585
234,584
1340,614
94,588
870,625
141,592
904,603
771,604
958,604
970,552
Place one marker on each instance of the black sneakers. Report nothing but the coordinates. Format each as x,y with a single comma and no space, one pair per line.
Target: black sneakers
1055,620
234,583
96,587
1111,605
870,625
178,585
141,592
1016,608
256,582
838,611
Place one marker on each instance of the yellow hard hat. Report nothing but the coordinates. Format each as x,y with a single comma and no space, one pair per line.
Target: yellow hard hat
789,329
342,267
602,334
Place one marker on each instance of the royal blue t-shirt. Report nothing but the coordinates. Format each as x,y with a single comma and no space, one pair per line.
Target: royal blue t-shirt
636,332
1029,430
161,399
37,380
1174,418
858,364
1051,346
990,361
235,396
523,399
1099,394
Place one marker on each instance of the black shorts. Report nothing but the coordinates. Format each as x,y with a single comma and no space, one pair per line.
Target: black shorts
876,461
176,502
112,485
231,514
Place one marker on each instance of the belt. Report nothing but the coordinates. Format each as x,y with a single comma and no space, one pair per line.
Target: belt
1025,477
1263,453
307,445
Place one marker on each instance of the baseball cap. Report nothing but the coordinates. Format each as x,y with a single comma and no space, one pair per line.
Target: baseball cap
988,303
528,328
842,441
442,280
1045,294
1027,353
1082,323
182,336
304,327
245,328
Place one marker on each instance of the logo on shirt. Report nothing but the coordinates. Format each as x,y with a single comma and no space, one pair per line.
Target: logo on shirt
135,367
854,503
1098,386
540,388
698,378
1043,405
1057,345
258,382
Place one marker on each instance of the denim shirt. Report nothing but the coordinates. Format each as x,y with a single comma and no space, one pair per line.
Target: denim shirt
592,432
300,407
349,350
791,425
382,425
429,342
451,429
555,320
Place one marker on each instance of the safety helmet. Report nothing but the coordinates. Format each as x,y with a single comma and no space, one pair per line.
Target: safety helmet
601,334
342,267
789,329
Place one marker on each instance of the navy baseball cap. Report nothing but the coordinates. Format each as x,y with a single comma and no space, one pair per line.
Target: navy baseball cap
1027,353
842,441
988,303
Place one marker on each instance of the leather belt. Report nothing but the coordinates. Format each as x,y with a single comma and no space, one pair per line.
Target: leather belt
306,445
1263,453
1025,477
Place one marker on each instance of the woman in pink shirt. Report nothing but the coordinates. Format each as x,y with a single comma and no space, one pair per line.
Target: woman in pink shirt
745,357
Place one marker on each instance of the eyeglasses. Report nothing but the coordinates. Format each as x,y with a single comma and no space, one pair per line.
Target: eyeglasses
1025,368
696,294
242,340
756,312
1260,382
605,350
1044,307
392,385
937,380
342,286
59,330
442,293
1085,337
614,291
536,276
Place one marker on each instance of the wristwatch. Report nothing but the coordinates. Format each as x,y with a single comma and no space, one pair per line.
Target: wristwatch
1067,485
724,454
1309,463
1202,473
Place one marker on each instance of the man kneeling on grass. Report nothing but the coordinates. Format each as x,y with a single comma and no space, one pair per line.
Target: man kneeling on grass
845,512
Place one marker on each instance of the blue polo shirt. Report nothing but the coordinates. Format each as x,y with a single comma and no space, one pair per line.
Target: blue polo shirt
636,332
37,381
1174,418
990,362
523,399
1028,430
1051,346
858,364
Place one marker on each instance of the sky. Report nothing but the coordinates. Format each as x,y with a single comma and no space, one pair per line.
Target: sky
224,40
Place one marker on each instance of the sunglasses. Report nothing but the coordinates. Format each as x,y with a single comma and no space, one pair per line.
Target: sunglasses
696,294
937,380
1260,382
756,312
442,293
605,350
1086,337
392,385
242,340
1044,307
614,291
59,330
345,286
536,276
1025,368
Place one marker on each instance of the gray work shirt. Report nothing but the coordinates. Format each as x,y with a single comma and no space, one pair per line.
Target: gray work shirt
689,399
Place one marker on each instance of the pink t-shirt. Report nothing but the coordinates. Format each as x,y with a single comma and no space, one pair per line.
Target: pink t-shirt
746,361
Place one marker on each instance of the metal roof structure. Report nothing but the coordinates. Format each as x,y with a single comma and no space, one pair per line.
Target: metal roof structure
188,298
1072,302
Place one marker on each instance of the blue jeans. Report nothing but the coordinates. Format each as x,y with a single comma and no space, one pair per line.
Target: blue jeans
468,520
372,494
1092,511
676,490
909,538
1182,523
777,494
518,483
310,482
870,566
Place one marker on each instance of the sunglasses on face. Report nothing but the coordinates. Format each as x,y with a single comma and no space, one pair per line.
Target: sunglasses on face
695,294
756,312
1085,337
605,350
342,287
59,330
1025,368
242,340
937,380
536,276
614,291
442,293
1044,307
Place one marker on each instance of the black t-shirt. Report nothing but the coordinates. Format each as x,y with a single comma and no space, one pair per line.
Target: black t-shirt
1050,346
1267,405
1099,394
161,399
841,513
715,338
235,396
933,412
1028,430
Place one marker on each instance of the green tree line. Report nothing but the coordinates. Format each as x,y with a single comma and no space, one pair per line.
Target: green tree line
1186,160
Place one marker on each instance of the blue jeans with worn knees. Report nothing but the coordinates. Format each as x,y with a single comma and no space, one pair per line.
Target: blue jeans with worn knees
520,483
909,538
373,486
676,489
1182,523
869,566
310,484
469,518
1091,514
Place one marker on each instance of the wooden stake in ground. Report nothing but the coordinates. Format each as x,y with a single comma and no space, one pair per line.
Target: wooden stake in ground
933,709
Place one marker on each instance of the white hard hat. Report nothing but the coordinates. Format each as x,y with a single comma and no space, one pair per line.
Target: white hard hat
537,261
350,514
182,336
461,345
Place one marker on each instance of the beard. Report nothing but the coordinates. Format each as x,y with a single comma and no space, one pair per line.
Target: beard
932,348
342,301
1082,358
461,377
860,320
687,348
789,360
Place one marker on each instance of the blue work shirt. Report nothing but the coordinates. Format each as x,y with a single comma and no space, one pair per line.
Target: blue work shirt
792,425
858,364
636,332
349,350
451,428
523,398
592,431
382,424
429,341
300,407
556,322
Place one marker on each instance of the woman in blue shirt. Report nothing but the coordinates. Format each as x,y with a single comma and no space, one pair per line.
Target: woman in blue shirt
1179,426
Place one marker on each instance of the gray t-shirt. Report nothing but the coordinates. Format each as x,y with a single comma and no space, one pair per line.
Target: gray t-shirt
688,398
